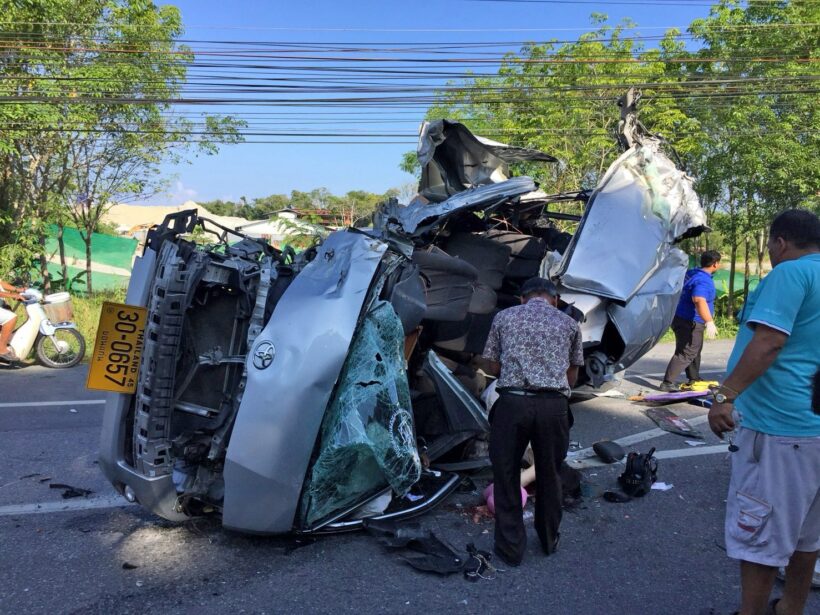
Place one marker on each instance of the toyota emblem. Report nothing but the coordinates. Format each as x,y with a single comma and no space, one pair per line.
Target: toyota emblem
263,355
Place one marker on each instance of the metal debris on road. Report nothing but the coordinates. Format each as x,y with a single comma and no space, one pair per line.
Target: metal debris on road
71,492
671,422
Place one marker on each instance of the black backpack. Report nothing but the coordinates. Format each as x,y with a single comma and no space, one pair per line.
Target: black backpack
641,471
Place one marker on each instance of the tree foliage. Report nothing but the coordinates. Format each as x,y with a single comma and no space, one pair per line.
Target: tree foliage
347,209
82,133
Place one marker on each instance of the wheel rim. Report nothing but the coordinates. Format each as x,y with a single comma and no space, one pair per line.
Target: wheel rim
65,350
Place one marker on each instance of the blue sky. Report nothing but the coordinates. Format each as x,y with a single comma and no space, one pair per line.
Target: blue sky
256,170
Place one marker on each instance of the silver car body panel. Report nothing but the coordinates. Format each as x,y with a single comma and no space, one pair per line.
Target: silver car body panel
641,206
283,403
453,159
645,318
595,315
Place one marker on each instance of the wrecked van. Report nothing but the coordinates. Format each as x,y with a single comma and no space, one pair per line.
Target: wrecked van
305,392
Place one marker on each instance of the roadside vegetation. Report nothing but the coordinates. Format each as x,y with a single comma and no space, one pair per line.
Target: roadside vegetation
68,147
727,330
87,313
315,206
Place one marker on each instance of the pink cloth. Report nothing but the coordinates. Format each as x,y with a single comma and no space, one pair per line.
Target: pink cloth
489,497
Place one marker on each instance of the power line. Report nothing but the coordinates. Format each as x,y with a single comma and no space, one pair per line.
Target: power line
107,26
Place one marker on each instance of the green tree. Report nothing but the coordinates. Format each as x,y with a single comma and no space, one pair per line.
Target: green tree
88,86
761,117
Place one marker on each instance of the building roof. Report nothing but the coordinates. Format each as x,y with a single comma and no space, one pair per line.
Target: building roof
125,217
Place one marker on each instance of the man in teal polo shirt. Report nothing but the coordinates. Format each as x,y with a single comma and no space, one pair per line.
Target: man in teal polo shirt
773,506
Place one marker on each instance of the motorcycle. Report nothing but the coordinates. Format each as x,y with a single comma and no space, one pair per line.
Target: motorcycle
49,330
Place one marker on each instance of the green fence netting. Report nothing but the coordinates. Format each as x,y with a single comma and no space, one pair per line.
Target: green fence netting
105,249
111,258
721,279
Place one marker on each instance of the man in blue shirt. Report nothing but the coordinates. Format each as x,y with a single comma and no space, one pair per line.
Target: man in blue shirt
693,320
773,506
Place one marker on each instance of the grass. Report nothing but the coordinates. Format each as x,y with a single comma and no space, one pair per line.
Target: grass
727,329
87,313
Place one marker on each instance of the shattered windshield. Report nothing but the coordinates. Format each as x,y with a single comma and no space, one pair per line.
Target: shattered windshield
368,439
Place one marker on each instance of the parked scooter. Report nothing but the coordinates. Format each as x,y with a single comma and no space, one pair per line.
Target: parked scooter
49,330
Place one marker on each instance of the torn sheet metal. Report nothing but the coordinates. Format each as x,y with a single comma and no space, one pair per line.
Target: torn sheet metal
595,314
645,318
464,414
453,159
412,217
431,490
285,399
642,206
368,439
671,422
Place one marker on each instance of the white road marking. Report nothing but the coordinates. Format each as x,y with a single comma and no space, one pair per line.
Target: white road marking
583,464
641,436
693,452
37,404
594,462
586,458
106,501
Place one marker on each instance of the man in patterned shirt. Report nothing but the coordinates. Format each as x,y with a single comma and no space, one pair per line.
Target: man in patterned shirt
536,351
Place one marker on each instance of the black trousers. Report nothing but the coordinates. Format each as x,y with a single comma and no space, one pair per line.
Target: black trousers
517,421
688,345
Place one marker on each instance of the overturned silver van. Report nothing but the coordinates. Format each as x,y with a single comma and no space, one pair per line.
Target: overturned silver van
306,392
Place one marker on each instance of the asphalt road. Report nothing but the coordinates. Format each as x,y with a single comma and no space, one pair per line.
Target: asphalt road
657,555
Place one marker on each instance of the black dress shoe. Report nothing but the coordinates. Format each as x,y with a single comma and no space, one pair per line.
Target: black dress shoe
555,544
505,559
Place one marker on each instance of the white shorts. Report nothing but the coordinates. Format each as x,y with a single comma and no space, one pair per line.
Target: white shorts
5,316
773,506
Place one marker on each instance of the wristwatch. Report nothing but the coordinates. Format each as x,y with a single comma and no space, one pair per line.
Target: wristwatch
720,398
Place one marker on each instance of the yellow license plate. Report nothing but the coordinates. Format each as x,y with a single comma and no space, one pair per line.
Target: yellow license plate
115,362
